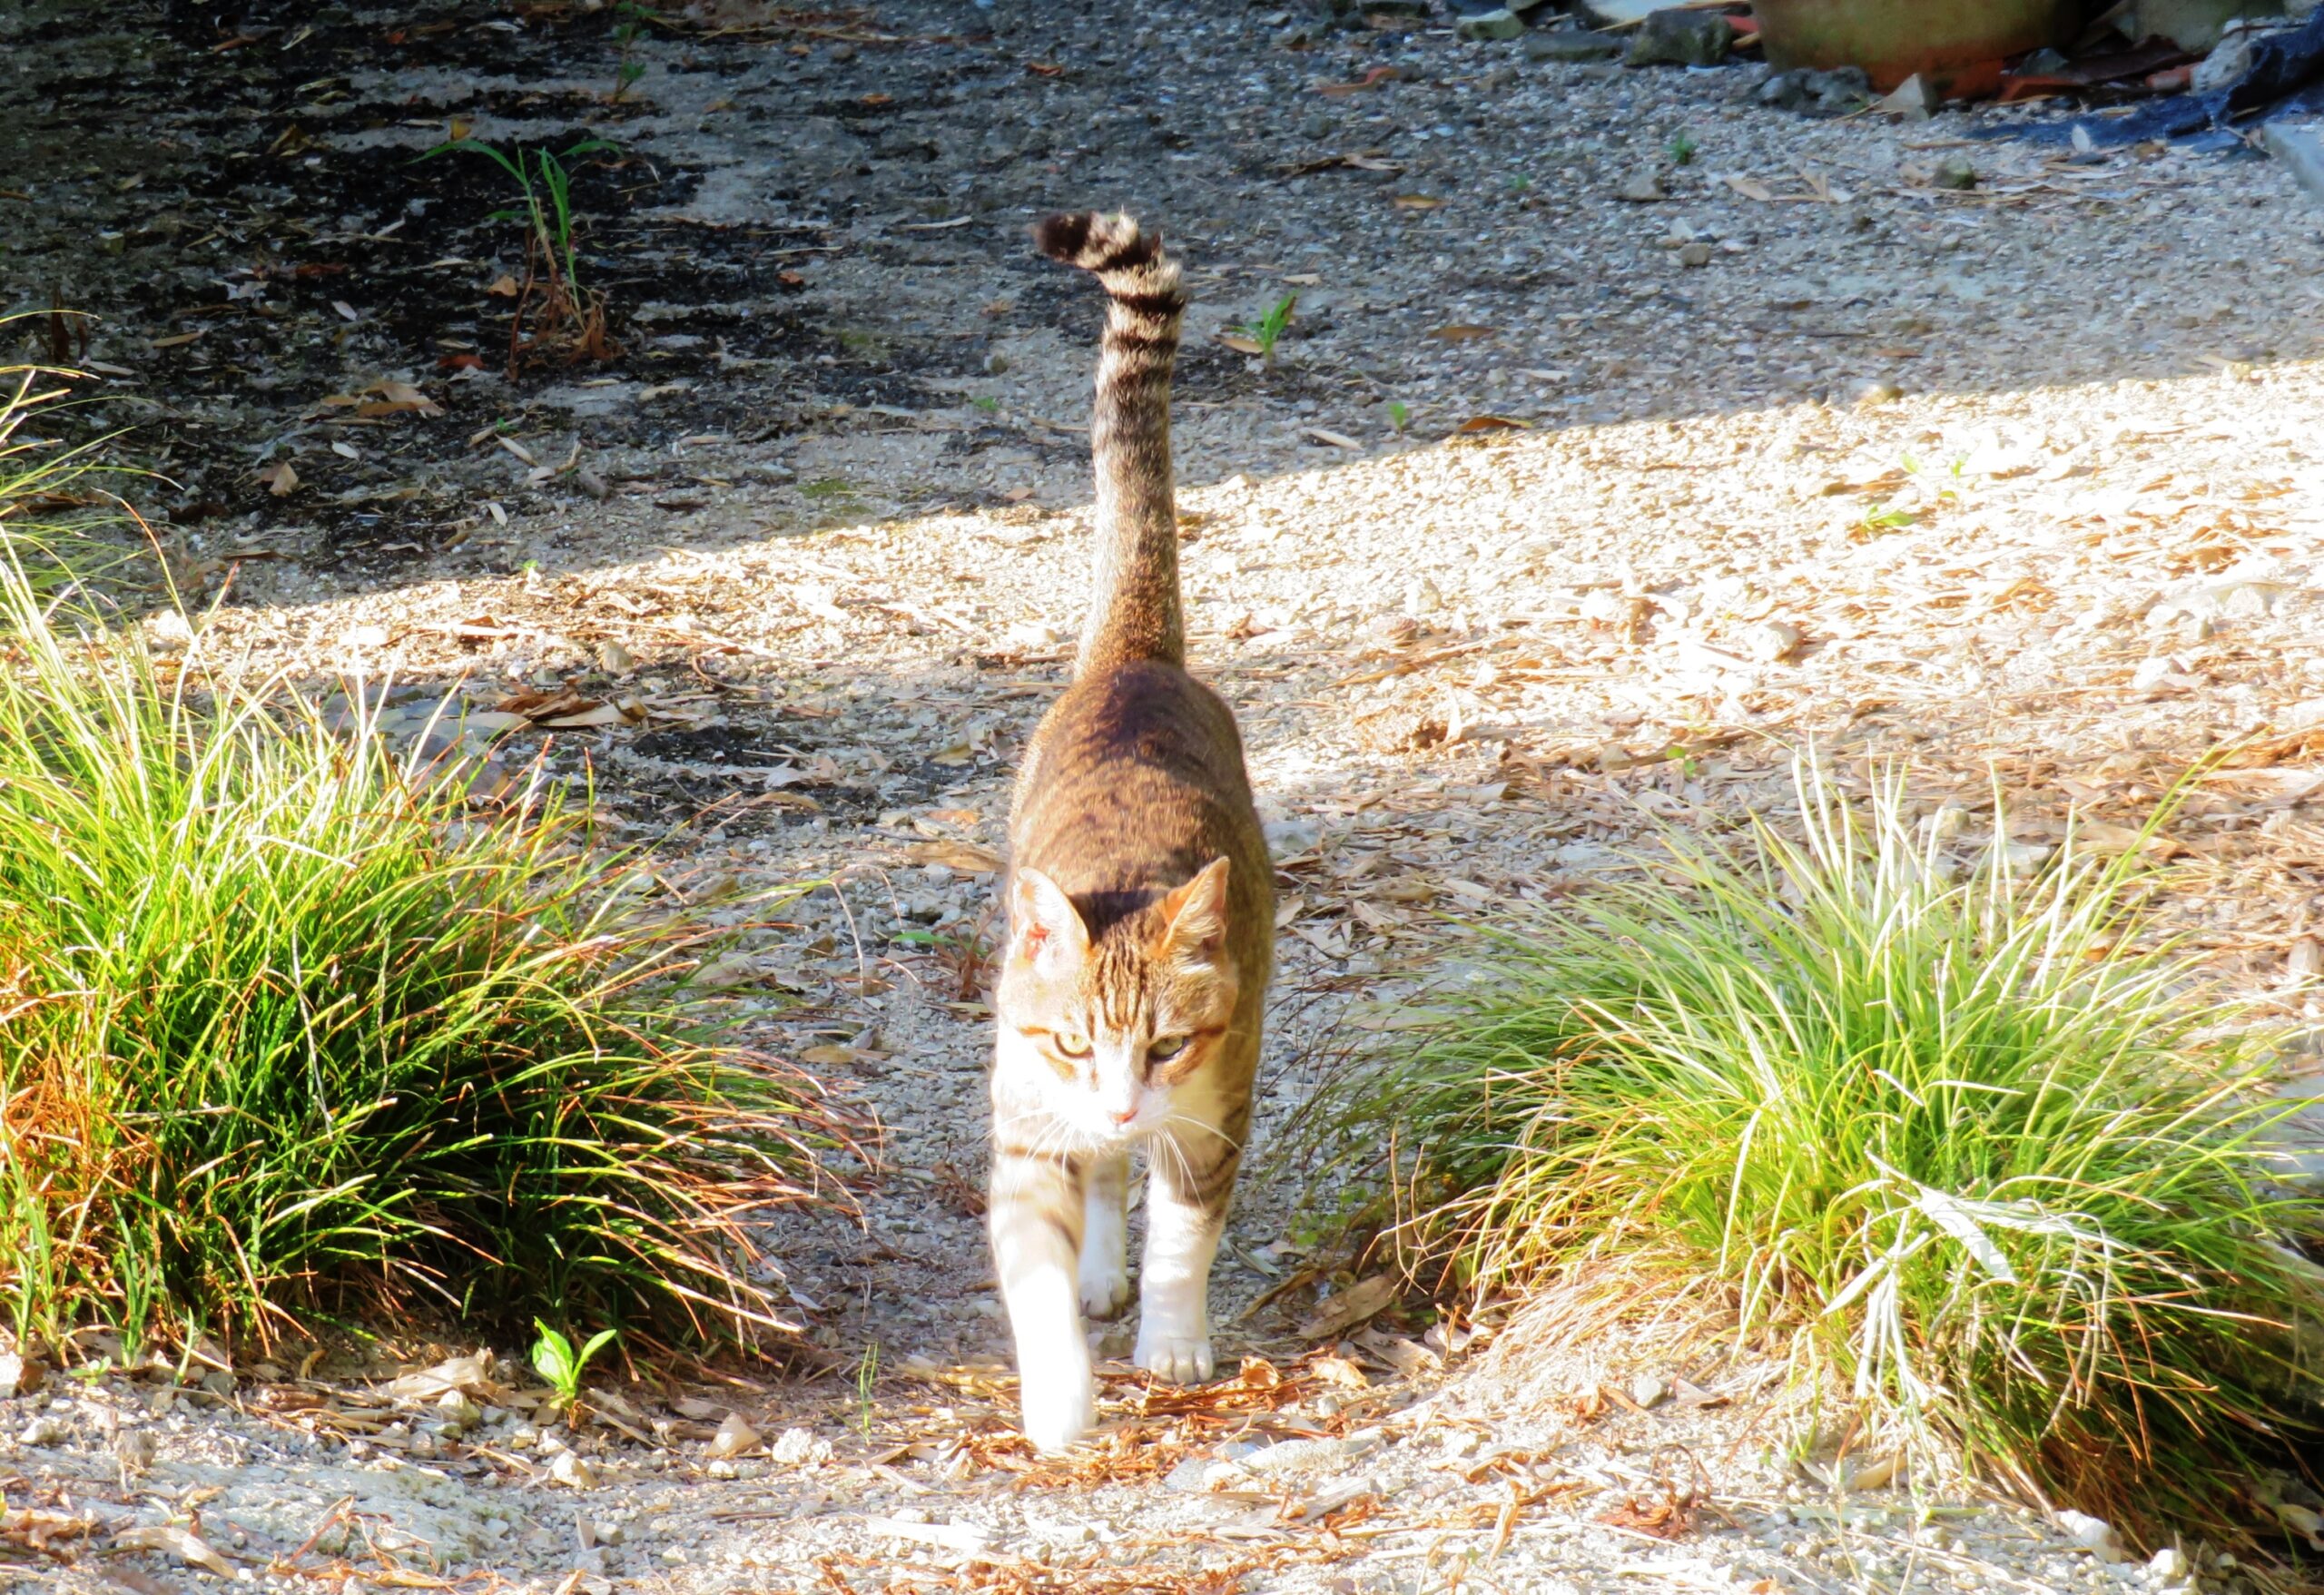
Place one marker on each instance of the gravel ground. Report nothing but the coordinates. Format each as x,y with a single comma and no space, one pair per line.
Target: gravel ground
2017,485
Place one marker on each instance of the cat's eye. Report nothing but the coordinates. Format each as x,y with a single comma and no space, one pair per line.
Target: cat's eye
1070,1044
1167,1048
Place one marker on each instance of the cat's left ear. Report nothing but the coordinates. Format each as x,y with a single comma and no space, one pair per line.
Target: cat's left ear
1196,914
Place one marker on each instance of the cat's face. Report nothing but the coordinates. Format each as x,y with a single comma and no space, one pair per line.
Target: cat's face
1101,1034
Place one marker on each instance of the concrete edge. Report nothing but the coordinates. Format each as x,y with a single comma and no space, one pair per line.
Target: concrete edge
2299,146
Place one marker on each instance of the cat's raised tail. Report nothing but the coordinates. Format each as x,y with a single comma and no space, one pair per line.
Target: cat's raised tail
1135,612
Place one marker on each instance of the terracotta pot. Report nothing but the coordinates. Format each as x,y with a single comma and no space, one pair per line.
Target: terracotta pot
1947,41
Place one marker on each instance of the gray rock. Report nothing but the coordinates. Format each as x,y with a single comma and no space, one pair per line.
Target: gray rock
1644,188
1915,100
1488,25
1681,38
1957,171
1574,45
1697,253
1187,1478
1836,93
45,1430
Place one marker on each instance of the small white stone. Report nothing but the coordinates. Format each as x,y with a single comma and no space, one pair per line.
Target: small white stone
1770,642
2095,1535
168,629
2169,1565
572,1470
799,1448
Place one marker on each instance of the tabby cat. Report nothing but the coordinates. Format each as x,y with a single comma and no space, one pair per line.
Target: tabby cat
1141,917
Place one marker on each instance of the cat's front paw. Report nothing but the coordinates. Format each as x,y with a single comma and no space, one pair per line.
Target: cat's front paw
1058,1409
1178,1355
1105,1290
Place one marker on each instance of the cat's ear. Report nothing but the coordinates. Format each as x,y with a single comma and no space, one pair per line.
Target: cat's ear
1042,921
1196,915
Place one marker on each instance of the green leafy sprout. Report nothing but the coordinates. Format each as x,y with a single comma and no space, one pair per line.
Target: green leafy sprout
555,1361
1268,330
634,18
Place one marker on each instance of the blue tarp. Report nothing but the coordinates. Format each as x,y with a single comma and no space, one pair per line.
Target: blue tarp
2286,78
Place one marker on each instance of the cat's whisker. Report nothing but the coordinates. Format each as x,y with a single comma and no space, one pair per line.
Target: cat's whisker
1232,1143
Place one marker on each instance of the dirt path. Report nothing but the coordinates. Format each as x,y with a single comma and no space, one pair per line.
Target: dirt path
820,527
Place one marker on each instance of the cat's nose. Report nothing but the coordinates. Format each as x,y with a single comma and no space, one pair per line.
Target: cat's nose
1124,1114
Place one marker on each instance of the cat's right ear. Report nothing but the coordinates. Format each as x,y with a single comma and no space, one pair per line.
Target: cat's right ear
1043,923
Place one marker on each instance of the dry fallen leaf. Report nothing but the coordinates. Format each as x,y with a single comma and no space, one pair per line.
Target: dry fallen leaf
1493,424
182,1543
397,398
1337,439
1240,344
279,477
964,856
625,712
1461,332
1418,202
1338,1315
505,287
734,1437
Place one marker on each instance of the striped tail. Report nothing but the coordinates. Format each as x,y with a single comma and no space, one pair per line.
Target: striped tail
1135,612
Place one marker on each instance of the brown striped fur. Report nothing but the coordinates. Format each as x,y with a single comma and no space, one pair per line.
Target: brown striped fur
1141,915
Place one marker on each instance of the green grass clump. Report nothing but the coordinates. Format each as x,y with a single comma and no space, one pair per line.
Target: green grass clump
289,1033
1953,1140
53,502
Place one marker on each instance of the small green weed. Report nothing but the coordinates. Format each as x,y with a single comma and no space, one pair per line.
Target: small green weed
556,1360
826,490
632,18
985,403
1264,334
1880,520
867,1380
966,955
569,319
1400,415
1683,148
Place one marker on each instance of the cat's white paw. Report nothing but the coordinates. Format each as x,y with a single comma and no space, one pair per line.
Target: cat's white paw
1105,1290
1058,1409
1180,1356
